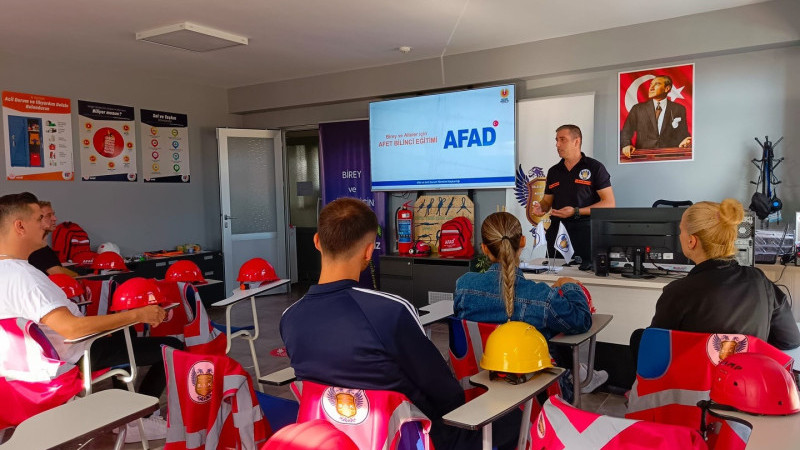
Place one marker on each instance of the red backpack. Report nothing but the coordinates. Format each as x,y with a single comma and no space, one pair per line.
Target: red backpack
69,239
455,238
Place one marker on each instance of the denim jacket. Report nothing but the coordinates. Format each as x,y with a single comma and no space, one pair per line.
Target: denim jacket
478,298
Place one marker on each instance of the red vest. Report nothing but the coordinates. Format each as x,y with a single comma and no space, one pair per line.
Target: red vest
561,426
98,292
372,419
200,336
177,317
32,377
211,403
675,371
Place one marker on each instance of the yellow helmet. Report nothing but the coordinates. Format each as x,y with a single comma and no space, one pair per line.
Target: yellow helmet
516,347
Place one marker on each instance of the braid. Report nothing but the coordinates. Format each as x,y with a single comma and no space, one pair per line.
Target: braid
501,232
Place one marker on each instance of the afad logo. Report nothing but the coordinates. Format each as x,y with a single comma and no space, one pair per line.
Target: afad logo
349,406
504,95
471,137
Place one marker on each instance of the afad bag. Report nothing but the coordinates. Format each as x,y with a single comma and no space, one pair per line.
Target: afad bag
69,239
455,238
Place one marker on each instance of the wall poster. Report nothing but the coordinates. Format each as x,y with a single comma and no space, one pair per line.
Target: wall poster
165,138
38,144
108,142
656,111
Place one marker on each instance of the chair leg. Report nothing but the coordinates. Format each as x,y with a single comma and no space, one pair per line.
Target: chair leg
255,363
576,377
121,438
525,426
145,444
487,436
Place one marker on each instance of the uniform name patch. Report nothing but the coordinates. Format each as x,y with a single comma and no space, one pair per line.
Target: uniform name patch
553,185
586,182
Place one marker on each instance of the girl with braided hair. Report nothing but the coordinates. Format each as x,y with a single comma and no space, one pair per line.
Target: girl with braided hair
502,293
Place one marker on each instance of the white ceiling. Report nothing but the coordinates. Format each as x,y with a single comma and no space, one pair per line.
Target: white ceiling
299,38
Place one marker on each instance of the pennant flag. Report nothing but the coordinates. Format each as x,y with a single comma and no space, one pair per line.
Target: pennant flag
538,235
563,244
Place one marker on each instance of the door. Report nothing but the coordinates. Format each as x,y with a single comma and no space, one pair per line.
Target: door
252,203
302,157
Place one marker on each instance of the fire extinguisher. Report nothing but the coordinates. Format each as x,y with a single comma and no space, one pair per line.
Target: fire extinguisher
403,226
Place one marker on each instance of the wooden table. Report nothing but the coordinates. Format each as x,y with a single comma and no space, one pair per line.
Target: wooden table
76,421
500,399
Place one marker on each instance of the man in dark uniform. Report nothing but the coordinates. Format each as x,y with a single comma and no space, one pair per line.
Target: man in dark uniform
574,186
373,340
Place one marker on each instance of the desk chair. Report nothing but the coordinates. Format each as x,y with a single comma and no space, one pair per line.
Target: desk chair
675,370
374,420
467,340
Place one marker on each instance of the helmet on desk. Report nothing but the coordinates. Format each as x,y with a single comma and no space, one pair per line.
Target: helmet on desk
515,348
135,293
108,247
109,261
185,271
84,258
71,287
256,272
756,384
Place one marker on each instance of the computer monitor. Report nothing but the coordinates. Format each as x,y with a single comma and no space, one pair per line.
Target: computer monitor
638,239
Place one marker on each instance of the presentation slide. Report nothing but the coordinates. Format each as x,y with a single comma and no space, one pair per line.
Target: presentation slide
456,140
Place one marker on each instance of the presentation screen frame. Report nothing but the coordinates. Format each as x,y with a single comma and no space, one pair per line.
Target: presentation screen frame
456,140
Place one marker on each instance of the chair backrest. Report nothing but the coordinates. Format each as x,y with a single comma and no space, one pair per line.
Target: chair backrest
211,402
312,435
374,420
560,425
200,335
675,371
99,292
672,203
467,341
32,377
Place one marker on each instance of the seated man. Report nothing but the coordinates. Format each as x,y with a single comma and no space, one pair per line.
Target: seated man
375,340
27,293
46,259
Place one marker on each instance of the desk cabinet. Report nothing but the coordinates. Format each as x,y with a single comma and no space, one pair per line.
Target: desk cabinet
421,280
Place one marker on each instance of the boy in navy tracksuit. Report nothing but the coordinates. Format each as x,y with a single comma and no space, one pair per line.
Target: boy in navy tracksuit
342,335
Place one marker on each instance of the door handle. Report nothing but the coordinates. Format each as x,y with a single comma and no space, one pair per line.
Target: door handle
227,217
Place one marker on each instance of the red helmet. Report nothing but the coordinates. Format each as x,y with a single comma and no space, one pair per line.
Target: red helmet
135,293
420,248
109,261
84,258
256,271
755,383
70,286
186,271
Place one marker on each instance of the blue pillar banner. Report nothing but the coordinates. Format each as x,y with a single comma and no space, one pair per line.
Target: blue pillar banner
345,172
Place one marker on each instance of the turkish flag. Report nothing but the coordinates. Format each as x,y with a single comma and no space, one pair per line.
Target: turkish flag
633,87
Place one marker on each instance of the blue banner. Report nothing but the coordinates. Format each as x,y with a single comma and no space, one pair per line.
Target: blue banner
345,172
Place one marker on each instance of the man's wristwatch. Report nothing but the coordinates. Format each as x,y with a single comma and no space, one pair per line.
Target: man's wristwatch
576,213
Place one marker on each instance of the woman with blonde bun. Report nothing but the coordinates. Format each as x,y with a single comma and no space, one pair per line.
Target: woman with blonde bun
718,295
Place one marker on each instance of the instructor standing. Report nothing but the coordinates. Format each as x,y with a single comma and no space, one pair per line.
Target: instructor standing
574,186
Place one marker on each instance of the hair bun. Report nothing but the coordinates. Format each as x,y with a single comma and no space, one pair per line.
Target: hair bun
731,212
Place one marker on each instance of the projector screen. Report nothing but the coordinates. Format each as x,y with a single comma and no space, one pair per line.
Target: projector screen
455,140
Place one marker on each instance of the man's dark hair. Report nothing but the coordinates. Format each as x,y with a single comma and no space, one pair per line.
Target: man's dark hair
667,80
574,131
13,204
343,224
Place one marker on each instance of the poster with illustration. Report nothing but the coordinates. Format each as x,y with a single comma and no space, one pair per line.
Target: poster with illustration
166,147
656,112
108,142
38,141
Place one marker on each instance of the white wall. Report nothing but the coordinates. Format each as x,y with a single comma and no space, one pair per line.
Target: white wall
136,216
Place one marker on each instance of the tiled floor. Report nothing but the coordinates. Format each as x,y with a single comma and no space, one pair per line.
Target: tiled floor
270,309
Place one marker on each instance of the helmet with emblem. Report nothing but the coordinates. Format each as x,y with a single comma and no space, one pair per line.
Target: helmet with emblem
109,261
135,293
71,287
754,383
